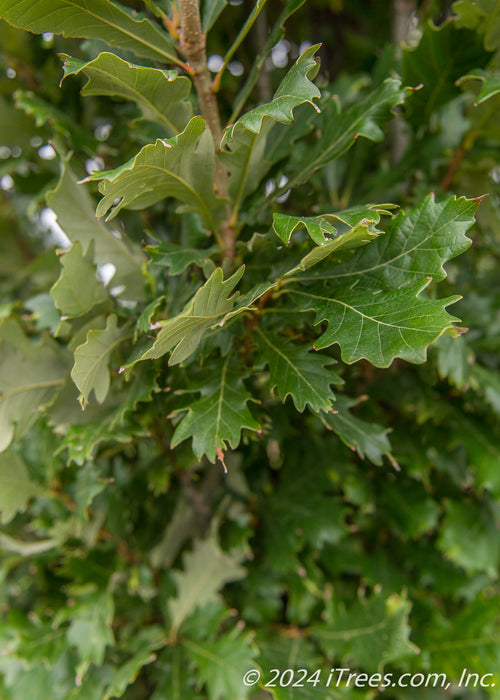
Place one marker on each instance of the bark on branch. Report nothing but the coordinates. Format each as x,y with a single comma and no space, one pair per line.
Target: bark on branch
193,46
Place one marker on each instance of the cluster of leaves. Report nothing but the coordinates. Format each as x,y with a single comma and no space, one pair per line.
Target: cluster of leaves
225,442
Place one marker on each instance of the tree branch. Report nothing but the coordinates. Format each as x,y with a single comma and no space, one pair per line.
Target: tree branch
193,46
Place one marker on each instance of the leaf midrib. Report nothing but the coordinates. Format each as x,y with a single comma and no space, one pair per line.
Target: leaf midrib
290,363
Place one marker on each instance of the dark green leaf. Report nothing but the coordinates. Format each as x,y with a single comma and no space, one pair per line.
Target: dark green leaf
483,16
296,372
218,417
247,139
95,19
210,13
177,258
490,83
161,95
339,129
223,663
469,539
368,439
443,55
371,634
379,326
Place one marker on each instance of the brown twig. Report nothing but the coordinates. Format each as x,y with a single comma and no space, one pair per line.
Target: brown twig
193,46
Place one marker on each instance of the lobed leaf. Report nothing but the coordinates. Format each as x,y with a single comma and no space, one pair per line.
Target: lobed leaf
223,662
247,139
414,247
93,19
339,130
490,83
177,258
442,56
90,629
296,372
320,228
206,569
161,95
368,439
483,16
273,38
75,214
90,371
77,290
218,417
379,326
372,302
370,635
30,377
183,333
16,487
182,167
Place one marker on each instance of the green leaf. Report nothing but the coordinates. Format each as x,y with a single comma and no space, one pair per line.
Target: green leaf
296,372
320,228
94,19
300,509
218,417
469,537
177,258
379,327
339,130
360,234
161,95
414,247
77,290
483,16
454,360
372,302
472,633
247,139
143,646
368,439
30,377
16,487
75,214
370,635
410,510
206,570
443,55
90,629
183,333
91,368
210,13
222,663
273,37
295,89
182,167
490,83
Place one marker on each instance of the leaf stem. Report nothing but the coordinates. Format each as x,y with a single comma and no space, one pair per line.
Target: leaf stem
193,46
236,43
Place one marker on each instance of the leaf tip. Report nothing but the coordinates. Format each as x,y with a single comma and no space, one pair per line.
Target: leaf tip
479,199
220,457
